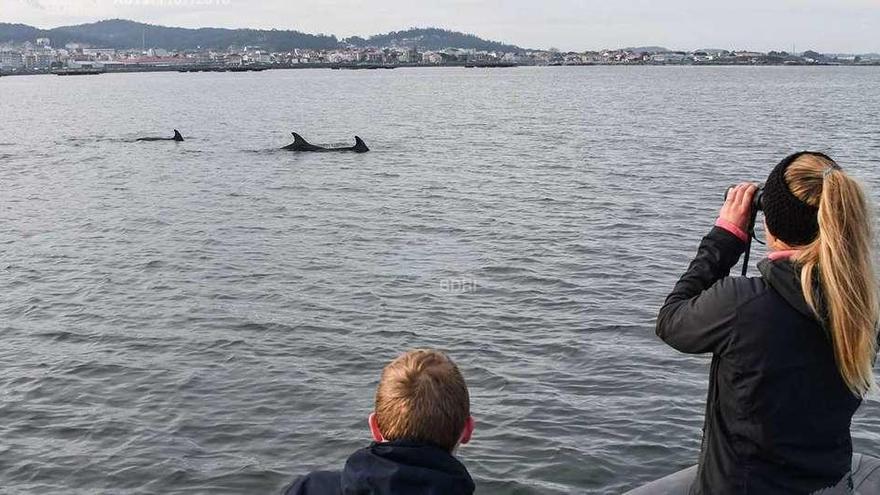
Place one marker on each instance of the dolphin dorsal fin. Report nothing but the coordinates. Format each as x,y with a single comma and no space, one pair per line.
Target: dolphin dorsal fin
177,136
298,140
359,145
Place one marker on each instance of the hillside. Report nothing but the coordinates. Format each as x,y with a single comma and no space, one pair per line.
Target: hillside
122,34
431,39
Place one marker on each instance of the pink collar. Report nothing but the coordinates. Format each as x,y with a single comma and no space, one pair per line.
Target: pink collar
782,255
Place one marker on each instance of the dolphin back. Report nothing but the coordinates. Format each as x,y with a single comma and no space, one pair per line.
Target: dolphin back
300,144
177,137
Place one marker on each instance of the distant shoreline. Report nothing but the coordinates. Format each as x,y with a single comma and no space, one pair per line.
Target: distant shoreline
190,69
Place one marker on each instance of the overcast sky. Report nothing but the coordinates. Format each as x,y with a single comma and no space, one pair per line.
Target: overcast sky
824,25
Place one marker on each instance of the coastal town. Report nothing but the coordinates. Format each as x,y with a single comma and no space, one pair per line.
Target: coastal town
41,56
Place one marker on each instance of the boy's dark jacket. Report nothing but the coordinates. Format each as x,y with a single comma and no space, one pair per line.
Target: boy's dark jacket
778,412
390,468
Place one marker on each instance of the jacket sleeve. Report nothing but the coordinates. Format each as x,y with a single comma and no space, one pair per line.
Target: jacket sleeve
699,313
298,487
316,483
295,488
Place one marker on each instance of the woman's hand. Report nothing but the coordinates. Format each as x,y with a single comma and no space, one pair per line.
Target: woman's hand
737,207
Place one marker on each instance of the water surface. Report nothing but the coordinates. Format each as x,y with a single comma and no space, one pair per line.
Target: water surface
212,316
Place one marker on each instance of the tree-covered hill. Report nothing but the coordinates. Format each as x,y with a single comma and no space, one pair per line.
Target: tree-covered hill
432,39
121,34
124,34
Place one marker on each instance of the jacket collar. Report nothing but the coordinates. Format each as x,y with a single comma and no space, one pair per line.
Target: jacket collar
783,275
405,467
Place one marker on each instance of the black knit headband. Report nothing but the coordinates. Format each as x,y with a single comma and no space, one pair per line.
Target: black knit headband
788,218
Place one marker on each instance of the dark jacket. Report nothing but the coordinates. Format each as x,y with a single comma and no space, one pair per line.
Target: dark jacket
391,468
778,412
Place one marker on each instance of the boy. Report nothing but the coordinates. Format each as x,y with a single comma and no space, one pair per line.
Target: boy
422,414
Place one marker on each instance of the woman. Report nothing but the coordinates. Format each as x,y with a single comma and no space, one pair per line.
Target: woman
793,349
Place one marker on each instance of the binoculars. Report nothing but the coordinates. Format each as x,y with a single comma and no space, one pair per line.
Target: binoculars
757,205
757,200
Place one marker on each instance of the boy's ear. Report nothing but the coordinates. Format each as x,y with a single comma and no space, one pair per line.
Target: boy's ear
374,428
468,430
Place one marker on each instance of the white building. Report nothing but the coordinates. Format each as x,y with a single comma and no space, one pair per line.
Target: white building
510,58
84,64
339,57
105,53
410,56
11,60
432,58
43,59
669,57
702,56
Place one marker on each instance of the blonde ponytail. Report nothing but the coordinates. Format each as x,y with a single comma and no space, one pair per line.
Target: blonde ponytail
841,257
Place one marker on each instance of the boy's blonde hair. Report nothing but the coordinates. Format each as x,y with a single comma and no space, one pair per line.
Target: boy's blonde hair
422,397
